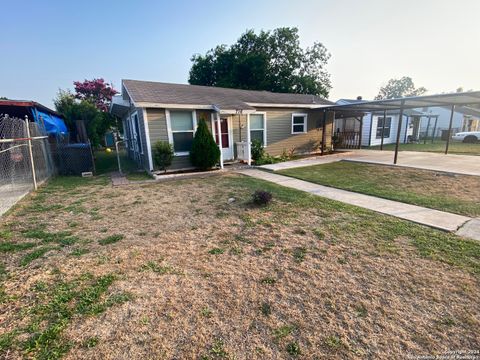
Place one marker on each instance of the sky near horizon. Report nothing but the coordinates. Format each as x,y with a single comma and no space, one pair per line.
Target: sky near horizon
46,45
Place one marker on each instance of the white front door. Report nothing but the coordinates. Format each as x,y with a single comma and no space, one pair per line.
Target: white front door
226,133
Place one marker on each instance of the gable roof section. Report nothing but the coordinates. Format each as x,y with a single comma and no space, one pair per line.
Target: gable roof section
170,95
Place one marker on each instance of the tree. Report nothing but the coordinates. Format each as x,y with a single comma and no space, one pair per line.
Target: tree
96,122
3,98
271,60
96,91
163,154
205,152
397,88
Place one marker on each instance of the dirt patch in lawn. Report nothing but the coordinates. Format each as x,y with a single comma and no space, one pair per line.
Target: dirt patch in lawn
174,270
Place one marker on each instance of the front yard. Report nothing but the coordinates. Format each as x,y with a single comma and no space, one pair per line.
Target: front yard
176,271
452,193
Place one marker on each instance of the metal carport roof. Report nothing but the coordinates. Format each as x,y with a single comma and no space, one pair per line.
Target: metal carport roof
412,102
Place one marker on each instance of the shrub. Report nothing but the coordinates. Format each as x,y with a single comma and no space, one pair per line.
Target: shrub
261,197
257,150
163,154
205,152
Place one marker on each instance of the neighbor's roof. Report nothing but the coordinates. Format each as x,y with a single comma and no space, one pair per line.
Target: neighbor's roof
166,94
28,103
465,110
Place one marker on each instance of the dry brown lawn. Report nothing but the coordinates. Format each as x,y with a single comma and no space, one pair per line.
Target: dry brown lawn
197,277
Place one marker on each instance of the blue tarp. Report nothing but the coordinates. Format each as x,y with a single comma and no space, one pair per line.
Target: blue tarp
53,124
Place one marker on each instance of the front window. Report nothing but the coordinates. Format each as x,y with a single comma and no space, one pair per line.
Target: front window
257,128
386,131
299,123
182,125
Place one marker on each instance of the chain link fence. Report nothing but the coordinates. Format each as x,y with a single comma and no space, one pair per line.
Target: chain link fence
25,159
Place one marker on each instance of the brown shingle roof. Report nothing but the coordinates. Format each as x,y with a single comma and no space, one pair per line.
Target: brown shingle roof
224,98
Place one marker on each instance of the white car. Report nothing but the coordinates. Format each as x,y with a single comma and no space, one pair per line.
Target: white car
467,136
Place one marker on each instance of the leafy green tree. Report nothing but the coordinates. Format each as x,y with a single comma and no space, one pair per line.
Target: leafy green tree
271,60
3,98
163,154
205,152
397,88
96,121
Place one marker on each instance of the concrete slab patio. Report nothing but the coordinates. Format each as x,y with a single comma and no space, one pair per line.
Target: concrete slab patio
457,164
433,218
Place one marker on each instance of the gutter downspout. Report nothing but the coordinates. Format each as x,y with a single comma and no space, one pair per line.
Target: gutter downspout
219,135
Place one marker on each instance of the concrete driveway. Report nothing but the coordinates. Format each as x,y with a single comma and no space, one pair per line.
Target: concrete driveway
459,164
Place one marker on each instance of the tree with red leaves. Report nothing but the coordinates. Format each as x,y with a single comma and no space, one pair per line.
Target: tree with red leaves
96,91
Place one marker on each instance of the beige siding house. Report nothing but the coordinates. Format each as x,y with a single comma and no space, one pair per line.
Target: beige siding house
153,111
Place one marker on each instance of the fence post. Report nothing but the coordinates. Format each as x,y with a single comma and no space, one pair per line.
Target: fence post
30,153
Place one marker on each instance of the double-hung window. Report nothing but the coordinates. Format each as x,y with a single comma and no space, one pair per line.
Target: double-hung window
182,126
380,125
258,130
299,123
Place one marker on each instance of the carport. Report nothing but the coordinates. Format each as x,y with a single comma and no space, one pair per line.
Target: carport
401,104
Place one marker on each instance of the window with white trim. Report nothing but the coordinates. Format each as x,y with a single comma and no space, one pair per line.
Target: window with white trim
182,127
299,123
258,128
386,131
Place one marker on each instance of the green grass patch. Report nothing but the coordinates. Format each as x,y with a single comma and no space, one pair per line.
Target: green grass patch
107,162
216,251
111,239
412,186
8,246
35,254
55,306
63,238
139,176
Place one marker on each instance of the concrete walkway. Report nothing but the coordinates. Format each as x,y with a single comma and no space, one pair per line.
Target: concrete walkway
457,164
433,218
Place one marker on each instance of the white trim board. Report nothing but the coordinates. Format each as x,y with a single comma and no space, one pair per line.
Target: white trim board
147,136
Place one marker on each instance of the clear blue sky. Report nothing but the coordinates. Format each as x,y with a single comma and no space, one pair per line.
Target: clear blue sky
46,45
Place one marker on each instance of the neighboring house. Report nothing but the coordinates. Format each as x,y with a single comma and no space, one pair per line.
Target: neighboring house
464,119
372,126
154,111
43,116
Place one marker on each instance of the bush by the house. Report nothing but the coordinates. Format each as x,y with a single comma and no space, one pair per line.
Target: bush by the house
205,152
257,150
261,197
163,154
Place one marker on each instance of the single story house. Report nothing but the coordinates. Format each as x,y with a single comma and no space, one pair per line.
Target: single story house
156,111
372,127
464,119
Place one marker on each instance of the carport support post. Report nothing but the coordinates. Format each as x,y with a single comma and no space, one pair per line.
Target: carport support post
249,145
30,153
426,134
219,135
434,128
324,135
360,133
383,128
449,129
399,129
